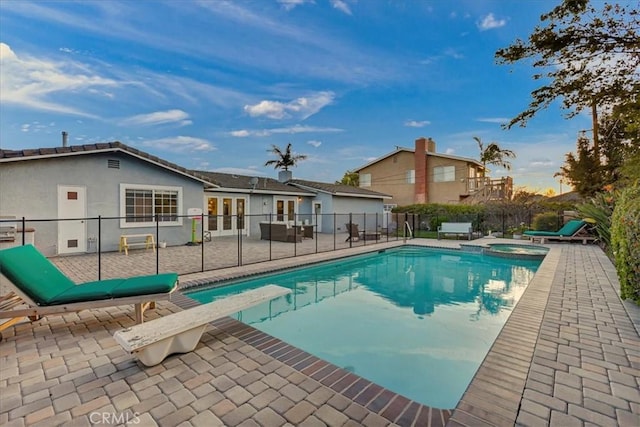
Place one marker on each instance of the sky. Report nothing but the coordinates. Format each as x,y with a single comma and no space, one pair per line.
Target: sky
213,84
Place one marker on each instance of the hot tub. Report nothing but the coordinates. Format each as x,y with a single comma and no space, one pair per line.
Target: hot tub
514,250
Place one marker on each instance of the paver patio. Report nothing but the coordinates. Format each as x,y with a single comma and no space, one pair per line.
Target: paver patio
568,355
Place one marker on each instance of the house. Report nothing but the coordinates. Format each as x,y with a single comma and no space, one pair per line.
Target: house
112,189
251,200
422,175
124,186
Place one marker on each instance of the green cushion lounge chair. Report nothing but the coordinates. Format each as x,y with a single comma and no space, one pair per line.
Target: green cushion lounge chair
40,288
574,229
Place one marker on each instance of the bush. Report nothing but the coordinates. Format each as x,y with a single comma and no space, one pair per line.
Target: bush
600,209
545,221
625,242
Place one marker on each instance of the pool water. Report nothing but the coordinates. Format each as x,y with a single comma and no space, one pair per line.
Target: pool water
417,321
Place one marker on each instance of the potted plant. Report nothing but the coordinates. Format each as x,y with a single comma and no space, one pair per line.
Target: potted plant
517,231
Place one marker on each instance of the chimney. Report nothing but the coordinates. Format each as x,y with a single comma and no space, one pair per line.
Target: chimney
420,167
431,146
284,176
65,138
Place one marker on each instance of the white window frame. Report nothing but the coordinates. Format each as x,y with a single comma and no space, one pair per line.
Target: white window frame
365,180
285,212
444,174
123,205
411,176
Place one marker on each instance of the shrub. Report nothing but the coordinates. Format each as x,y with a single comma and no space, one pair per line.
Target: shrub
625,242
545,221
600,208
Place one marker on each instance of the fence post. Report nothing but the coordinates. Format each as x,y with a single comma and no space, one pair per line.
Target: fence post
99,247
23,231
334,231
349,230
202,240
157,237
270,233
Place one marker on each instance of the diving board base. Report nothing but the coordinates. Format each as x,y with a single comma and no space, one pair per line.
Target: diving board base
180,332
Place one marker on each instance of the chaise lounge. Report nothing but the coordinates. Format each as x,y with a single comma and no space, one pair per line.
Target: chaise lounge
40,288
573,230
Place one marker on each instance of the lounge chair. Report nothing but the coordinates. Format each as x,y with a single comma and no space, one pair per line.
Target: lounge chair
40,288
355,233
573,230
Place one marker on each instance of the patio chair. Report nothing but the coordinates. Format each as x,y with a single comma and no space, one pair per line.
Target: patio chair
573,230
40,288
353,231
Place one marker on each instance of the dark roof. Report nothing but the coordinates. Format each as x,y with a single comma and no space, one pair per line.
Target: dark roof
39,153
243,182
338,189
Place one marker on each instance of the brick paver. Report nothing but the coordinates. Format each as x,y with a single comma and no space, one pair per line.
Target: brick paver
568,355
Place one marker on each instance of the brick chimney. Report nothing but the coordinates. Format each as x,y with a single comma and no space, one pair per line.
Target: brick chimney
420,160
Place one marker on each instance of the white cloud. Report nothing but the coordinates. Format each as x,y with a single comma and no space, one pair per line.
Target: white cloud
341,5
452,53
417,124
314,143
159,118
498,120
290,4
239,171
489,22
180,144
243,133
301,108
35,127
32,82
450,151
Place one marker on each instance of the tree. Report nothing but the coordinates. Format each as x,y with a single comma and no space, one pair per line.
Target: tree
286,159
494,155
583,171
591,57
350,178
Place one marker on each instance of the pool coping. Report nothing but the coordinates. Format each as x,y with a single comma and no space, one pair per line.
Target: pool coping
400,410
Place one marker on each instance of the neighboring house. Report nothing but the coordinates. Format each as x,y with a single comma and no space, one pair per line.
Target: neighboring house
127,188
423,176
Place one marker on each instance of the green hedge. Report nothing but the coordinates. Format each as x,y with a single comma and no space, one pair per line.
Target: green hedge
625,242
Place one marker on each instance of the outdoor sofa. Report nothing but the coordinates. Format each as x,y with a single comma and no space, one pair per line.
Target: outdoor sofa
280,231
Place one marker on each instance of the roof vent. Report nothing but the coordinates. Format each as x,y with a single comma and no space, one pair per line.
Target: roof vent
113,164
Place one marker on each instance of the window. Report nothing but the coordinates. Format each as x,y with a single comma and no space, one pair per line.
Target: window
139,205
411,176
444,174
365,180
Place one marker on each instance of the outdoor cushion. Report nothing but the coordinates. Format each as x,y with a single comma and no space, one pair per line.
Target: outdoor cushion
90,291
145,285
33,273
569,229
41,280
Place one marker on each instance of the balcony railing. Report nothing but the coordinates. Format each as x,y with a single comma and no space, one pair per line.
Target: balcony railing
490,189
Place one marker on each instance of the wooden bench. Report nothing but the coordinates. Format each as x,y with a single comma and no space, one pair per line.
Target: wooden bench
180,332
134,240
464,228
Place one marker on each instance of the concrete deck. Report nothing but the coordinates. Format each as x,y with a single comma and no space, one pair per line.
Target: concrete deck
568,355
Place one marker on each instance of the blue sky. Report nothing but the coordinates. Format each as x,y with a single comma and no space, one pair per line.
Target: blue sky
212,84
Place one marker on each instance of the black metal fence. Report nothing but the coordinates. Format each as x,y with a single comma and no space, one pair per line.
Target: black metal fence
91,248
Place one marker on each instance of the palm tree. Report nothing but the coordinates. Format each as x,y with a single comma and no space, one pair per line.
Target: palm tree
285,158
494,155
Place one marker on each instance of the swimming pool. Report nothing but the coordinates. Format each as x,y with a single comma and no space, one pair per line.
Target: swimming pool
417,321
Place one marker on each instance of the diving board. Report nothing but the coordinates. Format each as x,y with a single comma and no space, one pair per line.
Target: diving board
180,332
